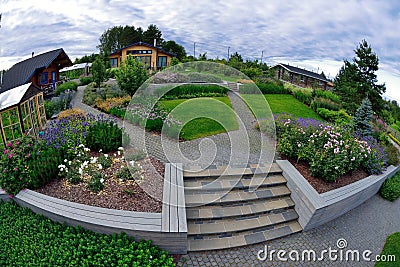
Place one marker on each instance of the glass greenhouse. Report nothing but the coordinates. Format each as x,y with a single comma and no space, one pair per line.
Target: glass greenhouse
21,112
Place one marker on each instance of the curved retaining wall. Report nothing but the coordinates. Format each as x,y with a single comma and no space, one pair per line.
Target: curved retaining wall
315,209
167,230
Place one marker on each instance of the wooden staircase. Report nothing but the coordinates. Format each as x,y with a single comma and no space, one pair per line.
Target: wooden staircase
231,207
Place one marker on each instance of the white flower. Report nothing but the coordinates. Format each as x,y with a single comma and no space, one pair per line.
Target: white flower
119,153
86,149
121,148
93,160
81,145
100,167
106,155
80,171
69,162
100,150
336,167
65,160
132,162
101,180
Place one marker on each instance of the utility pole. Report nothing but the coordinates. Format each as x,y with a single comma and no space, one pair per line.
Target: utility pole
228,52
194,50
262,54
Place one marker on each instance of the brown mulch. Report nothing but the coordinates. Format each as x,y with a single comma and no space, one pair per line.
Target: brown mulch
322,186
144,195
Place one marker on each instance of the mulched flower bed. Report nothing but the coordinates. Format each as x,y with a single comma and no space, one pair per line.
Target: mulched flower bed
320,185
145,195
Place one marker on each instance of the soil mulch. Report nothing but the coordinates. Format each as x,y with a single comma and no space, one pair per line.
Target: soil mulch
144,195
322,186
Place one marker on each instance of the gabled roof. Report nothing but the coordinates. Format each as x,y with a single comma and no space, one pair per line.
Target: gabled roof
143,44
14,96
23,71
303,72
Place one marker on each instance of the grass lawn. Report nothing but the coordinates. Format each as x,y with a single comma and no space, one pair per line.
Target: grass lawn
202,116
392,247
278,104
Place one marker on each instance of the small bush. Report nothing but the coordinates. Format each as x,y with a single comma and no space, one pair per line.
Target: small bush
85,80
105,161
104,135
71,86
390,189
124,174
337,117
117,112
96,182
320,102
328,95
71,112
304,96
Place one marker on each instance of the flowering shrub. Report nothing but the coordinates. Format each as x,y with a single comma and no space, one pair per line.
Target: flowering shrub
105,135
27,163
106,105
84,168
331,151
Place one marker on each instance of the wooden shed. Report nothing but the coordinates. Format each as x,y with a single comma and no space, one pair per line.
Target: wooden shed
21,112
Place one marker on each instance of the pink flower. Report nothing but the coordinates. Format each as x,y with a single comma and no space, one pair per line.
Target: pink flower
29,145
28,155
17,143
9,144
10,155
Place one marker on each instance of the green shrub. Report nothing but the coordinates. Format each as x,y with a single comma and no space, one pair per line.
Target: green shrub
304,96
328,95
203,77
111,73
194,90
105,161
58,104
124,174
390,189
337,117
96,182
267,87
89,96
320,102
71,86
85,80
393,155
117,112
104,135
28,163
30,239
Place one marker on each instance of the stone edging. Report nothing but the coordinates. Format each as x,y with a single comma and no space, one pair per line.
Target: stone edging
316,209
140,225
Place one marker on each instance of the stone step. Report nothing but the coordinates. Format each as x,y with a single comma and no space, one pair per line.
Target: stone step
240,224
217,198
238,210
244,238
216,171
224,183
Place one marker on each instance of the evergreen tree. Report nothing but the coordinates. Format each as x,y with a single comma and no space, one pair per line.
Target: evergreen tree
363,117
357,79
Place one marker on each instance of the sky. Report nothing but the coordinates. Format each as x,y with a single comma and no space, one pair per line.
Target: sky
313,34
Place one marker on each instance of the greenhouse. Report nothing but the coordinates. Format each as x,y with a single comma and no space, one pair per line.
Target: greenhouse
21,112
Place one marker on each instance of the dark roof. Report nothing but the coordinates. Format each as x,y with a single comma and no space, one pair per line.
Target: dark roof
144,44
23,71
303,72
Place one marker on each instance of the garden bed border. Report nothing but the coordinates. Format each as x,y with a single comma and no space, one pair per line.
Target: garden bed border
316,209
168,229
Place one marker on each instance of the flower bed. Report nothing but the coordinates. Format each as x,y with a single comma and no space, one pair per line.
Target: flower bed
331,151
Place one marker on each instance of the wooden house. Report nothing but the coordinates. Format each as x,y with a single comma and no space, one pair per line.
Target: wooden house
153,57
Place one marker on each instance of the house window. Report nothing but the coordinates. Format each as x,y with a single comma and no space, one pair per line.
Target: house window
114,62
162,61
44,78
320,83
138,52
146,60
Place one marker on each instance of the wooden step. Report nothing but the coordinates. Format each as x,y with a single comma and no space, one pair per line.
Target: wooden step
216,171
240,224
242,239
215,198
224,183
241,209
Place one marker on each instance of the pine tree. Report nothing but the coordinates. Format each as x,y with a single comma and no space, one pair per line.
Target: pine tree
362,119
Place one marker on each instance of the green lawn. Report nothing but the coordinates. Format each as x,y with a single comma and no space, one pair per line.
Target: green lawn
392,247
202,116
279,103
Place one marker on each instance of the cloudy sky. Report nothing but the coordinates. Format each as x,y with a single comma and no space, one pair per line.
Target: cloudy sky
313,34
